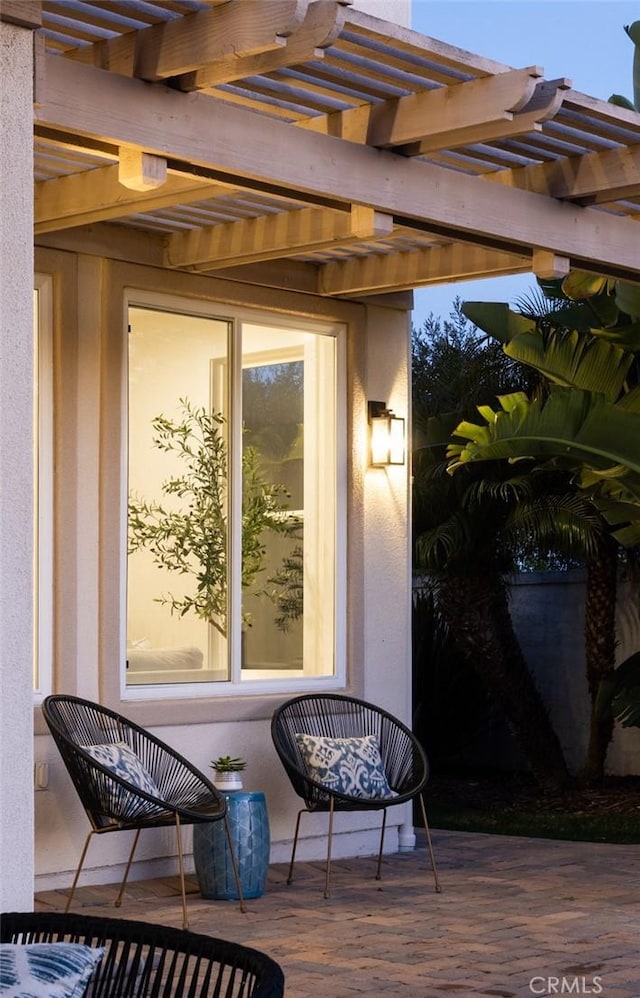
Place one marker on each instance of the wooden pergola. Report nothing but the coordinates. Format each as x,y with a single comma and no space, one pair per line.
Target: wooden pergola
309,146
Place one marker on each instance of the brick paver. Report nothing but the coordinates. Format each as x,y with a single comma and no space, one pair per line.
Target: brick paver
516,918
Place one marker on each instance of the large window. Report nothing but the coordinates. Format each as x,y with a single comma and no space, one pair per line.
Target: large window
233,502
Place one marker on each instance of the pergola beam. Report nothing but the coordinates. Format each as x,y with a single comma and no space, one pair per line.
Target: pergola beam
495,107
545,102
97,195
24,13
287,233
417,268
186,44
450,113
595,178
322,24
235,143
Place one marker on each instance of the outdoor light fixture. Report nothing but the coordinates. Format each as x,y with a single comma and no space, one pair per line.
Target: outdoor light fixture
386,435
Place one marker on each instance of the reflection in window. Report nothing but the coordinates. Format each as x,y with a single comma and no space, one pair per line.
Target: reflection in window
232,508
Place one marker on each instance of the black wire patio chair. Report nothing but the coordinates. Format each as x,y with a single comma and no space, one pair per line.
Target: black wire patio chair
143,960
153,787
334,716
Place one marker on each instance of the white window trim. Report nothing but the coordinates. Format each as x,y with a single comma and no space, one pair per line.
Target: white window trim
43,498
288,682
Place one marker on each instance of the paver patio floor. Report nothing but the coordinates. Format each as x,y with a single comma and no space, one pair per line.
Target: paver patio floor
517,917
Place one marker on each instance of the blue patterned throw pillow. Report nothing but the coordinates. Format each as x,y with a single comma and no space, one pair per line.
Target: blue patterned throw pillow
348,765
123,761
46,970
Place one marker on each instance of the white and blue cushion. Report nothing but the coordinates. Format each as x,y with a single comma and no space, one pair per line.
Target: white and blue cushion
46,970
351,766
123,762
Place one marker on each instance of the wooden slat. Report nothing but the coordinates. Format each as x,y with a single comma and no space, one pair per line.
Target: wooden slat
596,178
550,266
380,65
184,45
285,234
418,268
23,13
414,43
546,99
108,240
96,195
322,24
450,113
480,111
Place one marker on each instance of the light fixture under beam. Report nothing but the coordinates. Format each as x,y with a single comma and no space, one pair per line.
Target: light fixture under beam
386,436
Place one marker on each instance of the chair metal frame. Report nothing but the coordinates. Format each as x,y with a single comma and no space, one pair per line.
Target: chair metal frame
113,804
143,959
338,716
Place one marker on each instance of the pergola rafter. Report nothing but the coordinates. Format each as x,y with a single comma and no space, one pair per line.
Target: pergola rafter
407,161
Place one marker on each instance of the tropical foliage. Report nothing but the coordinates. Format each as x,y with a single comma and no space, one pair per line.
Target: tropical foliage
471,529
584,421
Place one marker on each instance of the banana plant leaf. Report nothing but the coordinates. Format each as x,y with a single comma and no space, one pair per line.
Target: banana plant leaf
583,284
633,30
565,357
621,101
497,319
582,428
628,298
621,509
574,360
585,314
620,695
631,400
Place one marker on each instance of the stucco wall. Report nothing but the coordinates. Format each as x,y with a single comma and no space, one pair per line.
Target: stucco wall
548,615
378,628
398,11
16,468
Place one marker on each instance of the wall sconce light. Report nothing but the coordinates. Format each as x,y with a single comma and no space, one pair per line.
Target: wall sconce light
387,438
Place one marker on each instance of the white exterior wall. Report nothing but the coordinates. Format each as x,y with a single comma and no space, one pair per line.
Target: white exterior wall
378,616
387,572
16,468
398,11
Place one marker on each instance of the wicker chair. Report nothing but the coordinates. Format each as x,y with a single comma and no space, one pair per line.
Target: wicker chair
182,795
143,960
335,716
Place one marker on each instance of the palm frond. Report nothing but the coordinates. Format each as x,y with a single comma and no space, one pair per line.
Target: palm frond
567,523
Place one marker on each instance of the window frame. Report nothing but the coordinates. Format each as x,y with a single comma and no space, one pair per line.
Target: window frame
43,435
235,316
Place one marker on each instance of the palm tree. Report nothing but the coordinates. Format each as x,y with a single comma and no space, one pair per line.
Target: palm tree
586,424
470,528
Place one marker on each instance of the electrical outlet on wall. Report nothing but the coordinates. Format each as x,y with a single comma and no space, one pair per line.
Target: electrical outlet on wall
41,775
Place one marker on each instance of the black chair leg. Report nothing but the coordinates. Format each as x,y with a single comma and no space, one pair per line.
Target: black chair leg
295,845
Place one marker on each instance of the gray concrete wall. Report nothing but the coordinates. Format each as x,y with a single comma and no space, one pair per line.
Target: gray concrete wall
548,615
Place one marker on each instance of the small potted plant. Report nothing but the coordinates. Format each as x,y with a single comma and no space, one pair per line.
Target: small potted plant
228,772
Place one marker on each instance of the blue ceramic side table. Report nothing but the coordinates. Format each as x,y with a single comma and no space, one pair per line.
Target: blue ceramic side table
249,827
